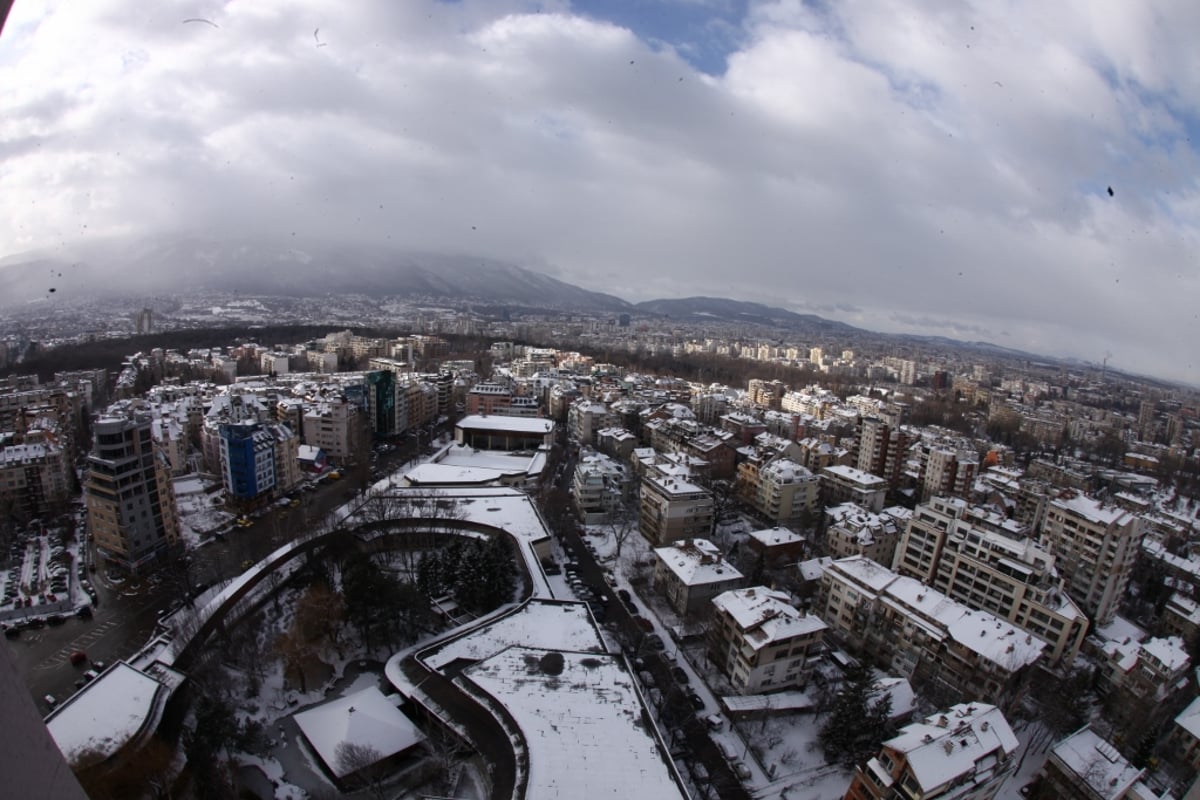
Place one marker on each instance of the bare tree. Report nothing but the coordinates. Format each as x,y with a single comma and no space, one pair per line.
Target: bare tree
624,523
320,616
362,762
295,650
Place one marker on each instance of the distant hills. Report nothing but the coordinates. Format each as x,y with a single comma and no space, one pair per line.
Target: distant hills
716,309
188,266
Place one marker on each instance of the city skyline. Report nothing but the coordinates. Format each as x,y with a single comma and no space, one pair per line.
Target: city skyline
1024,180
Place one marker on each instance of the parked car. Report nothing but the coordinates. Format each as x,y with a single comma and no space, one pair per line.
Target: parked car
50,700
680,675
78,657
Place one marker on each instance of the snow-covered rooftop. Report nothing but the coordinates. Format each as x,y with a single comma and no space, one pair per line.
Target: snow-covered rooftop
1092,510
987,635
956,743
97,722
540,623
814,568
1096,762
696,562
478,422
583,724
772,537
865,571
366,719
1189,719
765,616
864,479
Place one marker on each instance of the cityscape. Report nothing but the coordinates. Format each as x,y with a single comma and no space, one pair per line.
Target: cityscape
544,554
532,399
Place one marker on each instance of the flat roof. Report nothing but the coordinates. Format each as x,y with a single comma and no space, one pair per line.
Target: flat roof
582,721
109,713
491,422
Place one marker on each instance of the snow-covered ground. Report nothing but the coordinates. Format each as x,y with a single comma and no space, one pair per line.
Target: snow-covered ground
201,509
781,750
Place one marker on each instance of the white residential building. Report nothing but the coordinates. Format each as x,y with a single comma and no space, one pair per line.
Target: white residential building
762,642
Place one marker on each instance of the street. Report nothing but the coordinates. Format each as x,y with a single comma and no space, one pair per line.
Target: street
125,617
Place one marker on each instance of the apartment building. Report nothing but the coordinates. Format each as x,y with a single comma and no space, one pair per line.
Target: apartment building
991,563
761,642
946,470
586,418
673,508
1181,617
488,398
337,426
130,499
917,632
843,484
1143,683
777,546
783,492
1095,546
882,450
1085,766
966,753
851,530
35,477
1184,739
287,458
224,409
690,573
247,462
599,488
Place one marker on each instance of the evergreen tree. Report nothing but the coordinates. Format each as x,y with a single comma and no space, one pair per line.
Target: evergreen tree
431,574
500,572
857,726
470,578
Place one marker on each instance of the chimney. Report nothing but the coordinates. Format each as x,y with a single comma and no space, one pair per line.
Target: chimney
948,746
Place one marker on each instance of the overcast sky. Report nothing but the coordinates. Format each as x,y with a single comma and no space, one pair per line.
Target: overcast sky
902,166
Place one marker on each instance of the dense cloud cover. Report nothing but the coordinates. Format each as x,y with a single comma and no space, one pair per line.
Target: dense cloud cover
902,166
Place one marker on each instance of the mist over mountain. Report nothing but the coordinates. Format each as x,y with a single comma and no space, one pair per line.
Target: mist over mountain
714,309
183,267
188,266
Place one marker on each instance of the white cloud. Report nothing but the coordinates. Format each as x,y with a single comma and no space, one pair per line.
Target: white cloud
924,164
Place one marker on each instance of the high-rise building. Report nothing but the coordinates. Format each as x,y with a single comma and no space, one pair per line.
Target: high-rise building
1095,546
882,449
247,461
145,320
130,499
991,563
